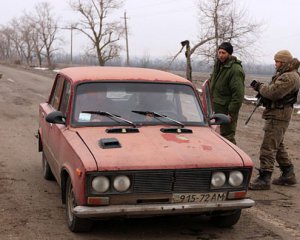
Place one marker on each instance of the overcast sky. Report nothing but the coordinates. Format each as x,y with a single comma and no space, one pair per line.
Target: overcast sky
156,27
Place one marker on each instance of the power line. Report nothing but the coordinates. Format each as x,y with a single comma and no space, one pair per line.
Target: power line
145,5
173,9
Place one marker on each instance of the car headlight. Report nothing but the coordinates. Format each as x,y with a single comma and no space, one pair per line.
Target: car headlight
218,179
236,178
121,183
100,184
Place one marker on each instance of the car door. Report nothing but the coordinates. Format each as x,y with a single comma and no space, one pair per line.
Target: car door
59,101
207,103
45,127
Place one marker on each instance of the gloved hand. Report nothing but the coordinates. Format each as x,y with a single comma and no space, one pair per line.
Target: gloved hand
255,85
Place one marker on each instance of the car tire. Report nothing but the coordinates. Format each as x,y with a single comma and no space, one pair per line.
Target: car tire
47,173
75,224
226,219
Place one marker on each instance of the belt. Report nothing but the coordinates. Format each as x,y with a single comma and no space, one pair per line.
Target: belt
281,106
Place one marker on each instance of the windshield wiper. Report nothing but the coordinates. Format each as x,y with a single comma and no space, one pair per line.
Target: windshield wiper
111,116
157,115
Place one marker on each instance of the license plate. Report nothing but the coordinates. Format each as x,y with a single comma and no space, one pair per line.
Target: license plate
198,197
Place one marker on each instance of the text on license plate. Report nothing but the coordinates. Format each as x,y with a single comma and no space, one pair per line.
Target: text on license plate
198,197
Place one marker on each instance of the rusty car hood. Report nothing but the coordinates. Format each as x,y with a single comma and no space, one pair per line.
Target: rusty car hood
152,149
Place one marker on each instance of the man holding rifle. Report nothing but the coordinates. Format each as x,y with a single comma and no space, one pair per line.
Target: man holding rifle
278,98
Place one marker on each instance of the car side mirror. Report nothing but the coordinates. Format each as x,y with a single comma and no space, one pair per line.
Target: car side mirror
219,119
56,117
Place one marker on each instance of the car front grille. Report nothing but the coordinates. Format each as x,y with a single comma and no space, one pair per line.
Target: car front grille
169,180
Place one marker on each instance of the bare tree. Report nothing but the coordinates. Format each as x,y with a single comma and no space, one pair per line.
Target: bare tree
22,35
38,44
31,35
16,38
26,31
224,20
13,39
3,45
103,32
45,31
220,20
6,43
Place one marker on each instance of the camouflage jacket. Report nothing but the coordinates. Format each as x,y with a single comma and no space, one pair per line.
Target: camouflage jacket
227,84
285,81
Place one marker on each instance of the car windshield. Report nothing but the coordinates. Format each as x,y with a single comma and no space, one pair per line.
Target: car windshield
175,102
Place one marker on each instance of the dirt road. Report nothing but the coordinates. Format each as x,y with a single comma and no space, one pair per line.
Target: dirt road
30,207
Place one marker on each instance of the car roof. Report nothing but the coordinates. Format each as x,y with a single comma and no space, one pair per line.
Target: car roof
81,74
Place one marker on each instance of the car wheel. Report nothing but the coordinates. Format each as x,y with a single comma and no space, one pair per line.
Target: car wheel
75,224
226,219
47,173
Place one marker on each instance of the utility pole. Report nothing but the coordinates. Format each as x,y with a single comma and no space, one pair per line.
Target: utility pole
71,44
126,35
71,50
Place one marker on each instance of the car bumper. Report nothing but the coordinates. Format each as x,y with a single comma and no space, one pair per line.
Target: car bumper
159,209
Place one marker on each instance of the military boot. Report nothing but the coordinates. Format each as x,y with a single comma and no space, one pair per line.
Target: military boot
287,176
262,182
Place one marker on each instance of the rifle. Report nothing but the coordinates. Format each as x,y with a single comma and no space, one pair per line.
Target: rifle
258,103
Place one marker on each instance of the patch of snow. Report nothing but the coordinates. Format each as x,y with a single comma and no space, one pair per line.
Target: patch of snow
250,98
297,106
40,68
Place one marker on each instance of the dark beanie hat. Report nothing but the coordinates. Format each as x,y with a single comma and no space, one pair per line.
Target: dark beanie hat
227,47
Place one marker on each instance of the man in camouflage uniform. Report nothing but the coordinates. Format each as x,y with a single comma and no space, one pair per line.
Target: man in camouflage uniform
279,97
227,88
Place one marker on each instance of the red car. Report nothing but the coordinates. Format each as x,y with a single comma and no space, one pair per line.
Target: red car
138,142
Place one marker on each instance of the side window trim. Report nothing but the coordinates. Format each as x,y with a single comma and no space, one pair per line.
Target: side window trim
206,99
66,93
57,92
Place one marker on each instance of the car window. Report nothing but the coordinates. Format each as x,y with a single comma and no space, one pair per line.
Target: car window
189,106
176,101
55,98
65,98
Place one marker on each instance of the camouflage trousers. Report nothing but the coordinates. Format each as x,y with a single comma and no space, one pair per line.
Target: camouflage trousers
227,130
272,148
